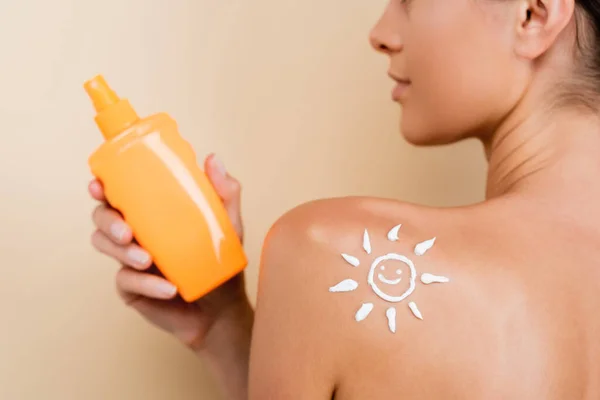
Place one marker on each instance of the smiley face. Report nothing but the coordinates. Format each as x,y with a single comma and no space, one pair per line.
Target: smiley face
383,280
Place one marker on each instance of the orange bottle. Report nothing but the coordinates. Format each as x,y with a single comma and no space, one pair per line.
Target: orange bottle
149,173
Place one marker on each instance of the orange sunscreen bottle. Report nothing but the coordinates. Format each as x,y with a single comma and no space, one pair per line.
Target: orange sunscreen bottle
150,174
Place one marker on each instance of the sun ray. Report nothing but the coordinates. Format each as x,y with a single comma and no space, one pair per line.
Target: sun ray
423,247
393,234
363,312
415,310
346,285
391,316
430,278
351,260
366,242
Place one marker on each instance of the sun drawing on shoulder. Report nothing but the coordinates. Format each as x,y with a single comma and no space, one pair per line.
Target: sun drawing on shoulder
392,286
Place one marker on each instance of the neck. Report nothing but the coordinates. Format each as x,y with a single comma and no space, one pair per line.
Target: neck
549,156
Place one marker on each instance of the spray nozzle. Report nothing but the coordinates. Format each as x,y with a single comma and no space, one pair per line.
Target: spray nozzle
113,113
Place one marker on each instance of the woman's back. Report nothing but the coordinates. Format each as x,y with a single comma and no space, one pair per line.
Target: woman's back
516,320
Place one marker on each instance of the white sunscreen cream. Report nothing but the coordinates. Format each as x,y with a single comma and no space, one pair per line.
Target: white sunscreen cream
393,234
374,279
363,312
351,260
415,310
347,285
422,248
384,282
430,278
391,316
367,242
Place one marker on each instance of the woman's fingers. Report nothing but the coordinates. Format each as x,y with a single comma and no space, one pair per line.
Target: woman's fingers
96,190
228,188
110,222
131,254
113,238
132,284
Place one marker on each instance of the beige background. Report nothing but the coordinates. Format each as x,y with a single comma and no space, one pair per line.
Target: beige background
287,92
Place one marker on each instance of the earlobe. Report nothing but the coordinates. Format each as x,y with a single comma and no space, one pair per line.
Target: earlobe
540,24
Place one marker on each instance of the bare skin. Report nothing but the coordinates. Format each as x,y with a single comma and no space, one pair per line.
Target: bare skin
518,319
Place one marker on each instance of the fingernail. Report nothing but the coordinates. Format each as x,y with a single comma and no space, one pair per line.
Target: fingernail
138,256
165,288
219,166
119,230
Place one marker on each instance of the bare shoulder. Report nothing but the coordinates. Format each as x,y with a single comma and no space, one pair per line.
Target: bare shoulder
351,286
370,298
358,232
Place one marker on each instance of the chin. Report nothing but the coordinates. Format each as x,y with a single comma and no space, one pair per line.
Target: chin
420,133
415,134
416,139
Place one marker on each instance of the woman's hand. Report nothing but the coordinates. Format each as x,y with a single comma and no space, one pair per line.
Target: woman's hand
142,287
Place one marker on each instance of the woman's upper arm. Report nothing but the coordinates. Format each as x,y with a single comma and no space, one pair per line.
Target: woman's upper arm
293,345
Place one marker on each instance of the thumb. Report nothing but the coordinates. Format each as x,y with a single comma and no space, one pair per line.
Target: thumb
228,189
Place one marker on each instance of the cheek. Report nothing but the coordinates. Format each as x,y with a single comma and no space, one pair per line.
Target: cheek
459,78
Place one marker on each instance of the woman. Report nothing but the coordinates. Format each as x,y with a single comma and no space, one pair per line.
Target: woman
512,310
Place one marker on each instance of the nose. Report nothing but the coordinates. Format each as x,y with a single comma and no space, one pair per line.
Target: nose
385,36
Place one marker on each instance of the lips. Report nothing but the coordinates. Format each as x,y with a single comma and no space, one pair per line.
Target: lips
398,78
402,84
398,93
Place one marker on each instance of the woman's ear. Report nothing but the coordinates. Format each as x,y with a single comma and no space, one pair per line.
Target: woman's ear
540,22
